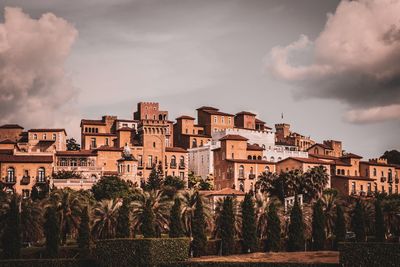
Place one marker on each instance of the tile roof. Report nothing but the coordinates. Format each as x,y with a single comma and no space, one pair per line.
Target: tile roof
185,117
216,112
92,122
260,121
323,156
347,177
254,147
175,149
11,126
321,145
233,137
246,113
125,129
207,108
351,155
108,148
308,160
378,164
99,134
75,153
197,135
7,141
25,159
257,161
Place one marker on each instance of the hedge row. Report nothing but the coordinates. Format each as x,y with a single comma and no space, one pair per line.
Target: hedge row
248,264
47,263
369,254
141,252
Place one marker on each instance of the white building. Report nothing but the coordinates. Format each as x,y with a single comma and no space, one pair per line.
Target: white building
201,160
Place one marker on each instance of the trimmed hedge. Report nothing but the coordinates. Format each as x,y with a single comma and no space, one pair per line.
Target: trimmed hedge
141,252
248,264
369,254
47,263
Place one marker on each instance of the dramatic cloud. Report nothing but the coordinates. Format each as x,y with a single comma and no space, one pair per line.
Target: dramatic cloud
34,89
355,59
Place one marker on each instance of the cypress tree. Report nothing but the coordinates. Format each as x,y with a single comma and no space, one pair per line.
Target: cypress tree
296,229
123,223
51,232
198,229
358,222
154,182
227,227
340,226
249,229
318,226
379,223
273,229
175,226
147,218
84,232
11,239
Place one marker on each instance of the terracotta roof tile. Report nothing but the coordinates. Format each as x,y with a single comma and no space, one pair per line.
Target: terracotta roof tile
48,130
92,122
347,177
11,126
246,113
108,148
75,153
185,117
207,108
351,155
254,147
257,161
234,137
25,159
175,149
308,160
7,141
125,129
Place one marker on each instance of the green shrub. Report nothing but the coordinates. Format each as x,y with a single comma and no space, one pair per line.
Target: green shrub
369,254
141,252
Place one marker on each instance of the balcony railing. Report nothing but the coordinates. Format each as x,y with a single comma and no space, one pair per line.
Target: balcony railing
182,166
241,177
150,166
383,179
396,180
41,180
9,181
25,180
140,166
172,165
77,168
252,176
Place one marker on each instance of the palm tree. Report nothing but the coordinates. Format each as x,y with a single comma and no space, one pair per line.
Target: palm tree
68,204
265,182
314,182
158,203
391,209
262,203
188,201
31,220
105,215
329,201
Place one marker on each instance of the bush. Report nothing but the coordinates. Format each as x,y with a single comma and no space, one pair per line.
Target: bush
369,254
141,252
47,263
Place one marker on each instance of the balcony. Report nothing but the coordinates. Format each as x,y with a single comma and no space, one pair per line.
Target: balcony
9,181
362,193
396,180
241,177
41,180
383,179
370,194
182,166
25,180
150,166
140,166
252,176
172,165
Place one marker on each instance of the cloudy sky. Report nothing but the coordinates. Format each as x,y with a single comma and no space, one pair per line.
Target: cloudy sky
331,67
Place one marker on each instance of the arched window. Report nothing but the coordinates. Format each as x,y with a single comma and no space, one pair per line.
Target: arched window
73,162
10,174
249,157
173,160
338,171
194,142
272,159
251,170
266,169
342,172
254,157
241,186
41,174
201,142
374,171
241,171
160,117
182,161
259,158
279,159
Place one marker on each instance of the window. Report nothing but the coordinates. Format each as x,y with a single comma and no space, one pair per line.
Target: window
338,171
154,144
233,155
374,171
369,188
74,162
266,169
194,142
222,119
128,168
201,142
229,120
106,141
11,174
54,136
215,119
44,136
383,189
26,173
241,171
390,175
182,161
182,175
150,161
249,157
272,159
25,193
186,131
390,189
173,161
41,174
251,170
93,142
353,187
140,160
34,136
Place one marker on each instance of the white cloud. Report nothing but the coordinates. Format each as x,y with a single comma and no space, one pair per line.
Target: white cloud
356,58
34,87
375,114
